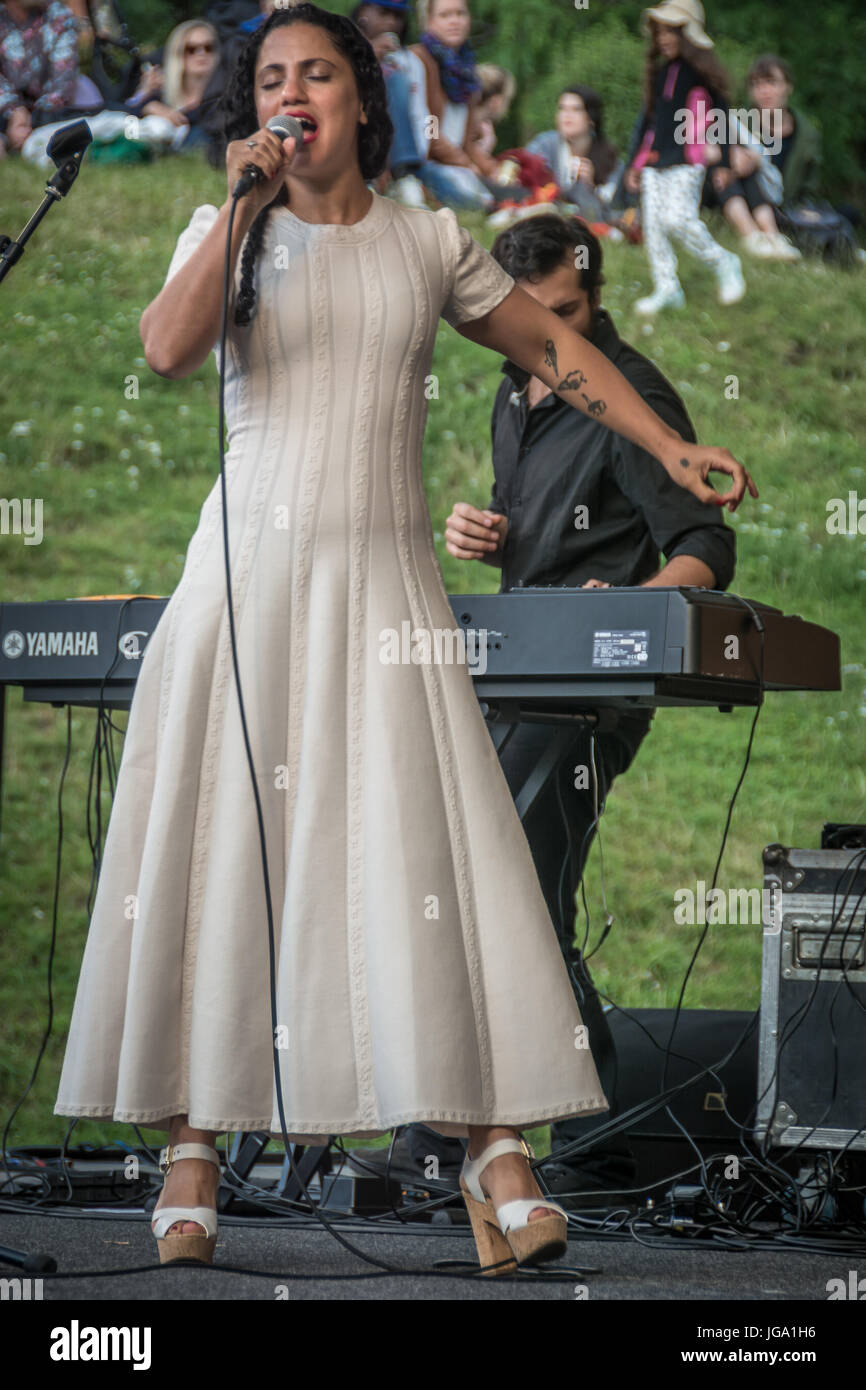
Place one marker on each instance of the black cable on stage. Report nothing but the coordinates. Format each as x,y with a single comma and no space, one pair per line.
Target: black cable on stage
598,807
759,624
51,948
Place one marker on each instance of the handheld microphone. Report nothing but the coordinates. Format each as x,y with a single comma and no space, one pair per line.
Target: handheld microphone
284,126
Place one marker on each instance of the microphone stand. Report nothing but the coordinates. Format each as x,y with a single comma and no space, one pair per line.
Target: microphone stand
66,147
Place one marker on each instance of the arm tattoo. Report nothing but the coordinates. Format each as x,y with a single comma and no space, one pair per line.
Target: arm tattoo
573,381
684,463
594,408
550,354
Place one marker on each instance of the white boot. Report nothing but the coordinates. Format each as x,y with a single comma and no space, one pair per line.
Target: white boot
783,249
732,286
759,244
661,299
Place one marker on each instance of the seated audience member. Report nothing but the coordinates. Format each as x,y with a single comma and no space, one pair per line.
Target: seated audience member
747,194
498,88
176,89
386,27
799,156
39,73
452,88
584,163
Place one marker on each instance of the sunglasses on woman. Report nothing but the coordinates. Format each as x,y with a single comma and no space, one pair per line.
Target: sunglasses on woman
198,48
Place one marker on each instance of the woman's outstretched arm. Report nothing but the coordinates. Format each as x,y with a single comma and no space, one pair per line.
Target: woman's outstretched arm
537,339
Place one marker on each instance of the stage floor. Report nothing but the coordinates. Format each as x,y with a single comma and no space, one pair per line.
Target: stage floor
301,1259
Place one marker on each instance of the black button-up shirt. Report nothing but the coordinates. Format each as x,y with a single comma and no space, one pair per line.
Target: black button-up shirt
552,461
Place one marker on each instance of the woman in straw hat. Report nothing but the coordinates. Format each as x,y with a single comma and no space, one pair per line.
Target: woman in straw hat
683,82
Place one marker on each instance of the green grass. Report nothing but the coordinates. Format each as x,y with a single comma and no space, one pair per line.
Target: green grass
123,481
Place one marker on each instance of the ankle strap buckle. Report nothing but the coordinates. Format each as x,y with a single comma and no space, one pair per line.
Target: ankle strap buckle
166,1158
526,1146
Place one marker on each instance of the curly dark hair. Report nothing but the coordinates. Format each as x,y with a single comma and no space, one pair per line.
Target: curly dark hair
531,249
238,118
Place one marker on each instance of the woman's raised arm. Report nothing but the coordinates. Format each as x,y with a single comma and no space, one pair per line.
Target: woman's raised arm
537,339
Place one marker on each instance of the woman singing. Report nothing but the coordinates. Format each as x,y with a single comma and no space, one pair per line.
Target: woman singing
418,974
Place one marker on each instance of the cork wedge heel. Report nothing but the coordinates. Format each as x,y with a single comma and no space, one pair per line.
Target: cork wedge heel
504,1235
186,1246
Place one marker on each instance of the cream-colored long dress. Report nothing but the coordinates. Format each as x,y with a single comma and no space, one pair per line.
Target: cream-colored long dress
418,971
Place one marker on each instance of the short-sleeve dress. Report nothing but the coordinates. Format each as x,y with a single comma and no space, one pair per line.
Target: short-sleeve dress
418,973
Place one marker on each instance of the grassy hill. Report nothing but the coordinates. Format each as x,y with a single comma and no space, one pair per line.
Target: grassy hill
123,481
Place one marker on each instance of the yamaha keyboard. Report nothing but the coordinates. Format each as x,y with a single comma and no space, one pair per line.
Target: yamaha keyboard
542,652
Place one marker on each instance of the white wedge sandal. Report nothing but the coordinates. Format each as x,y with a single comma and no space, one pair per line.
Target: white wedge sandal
182,1245
504,1235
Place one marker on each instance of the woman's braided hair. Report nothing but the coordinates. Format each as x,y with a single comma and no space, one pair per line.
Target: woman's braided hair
239,118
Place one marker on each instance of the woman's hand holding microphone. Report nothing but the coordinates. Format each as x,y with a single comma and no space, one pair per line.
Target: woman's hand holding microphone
270,152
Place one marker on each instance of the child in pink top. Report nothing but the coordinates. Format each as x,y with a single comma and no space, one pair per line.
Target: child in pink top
680,135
